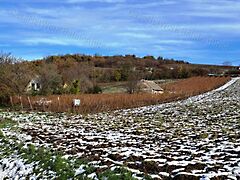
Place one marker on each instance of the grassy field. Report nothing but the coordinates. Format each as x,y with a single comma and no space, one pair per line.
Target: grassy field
120,87
92,103
116,87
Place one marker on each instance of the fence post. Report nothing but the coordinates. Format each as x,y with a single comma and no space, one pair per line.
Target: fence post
59,104
20,97
43,106
29,100
11,100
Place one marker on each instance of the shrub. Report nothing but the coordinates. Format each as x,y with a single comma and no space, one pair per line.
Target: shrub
95,90
75,87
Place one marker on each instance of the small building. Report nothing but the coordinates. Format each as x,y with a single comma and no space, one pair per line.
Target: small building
150,87
34,85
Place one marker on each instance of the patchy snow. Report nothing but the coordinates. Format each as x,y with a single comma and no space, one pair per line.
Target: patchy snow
198,136
80,170
225,86
14,168
93,176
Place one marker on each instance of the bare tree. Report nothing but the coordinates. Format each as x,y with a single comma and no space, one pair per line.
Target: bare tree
49,79
80,72
15,74
132,81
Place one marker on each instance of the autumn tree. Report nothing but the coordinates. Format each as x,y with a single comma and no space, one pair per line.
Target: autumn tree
125,70
132,81
117,75
183,72
50,79
82,73
15,74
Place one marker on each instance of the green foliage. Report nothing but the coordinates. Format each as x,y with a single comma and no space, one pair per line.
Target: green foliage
62,167
48,160
1,134
75,87
117,75
95,90
119,173
6,123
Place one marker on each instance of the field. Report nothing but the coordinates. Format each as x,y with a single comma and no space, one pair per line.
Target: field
195,138
93,103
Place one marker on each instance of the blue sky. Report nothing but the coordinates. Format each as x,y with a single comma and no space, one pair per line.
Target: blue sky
199,31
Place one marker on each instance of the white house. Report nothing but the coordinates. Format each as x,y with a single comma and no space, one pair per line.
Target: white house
150,87
34,85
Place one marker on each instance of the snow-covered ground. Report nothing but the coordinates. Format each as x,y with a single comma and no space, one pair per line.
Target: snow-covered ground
194,138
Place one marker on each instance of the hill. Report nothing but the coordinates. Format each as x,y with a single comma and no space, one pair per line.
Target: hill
118,68
77,73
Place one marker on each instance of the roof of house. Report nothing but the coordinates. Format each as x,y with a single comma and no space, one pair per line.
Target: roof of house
152,85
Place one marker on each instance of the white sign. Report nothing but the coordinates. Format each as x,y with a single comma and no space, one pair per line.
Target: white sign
76,102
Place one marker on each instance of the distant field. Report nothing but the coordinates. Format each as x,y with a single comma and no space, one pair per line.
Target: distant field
120,87
116,87
92,103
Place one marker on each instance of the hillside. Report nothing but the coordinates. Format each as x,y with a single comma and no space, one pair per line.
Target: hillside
74,74
118,68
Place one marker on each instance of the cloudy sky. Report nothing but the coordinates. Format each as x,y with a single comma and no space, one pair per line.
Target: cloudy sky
199,31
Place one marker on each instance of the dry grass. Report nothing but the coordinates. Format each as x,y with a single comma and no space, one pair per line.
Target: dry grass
92,103
195,85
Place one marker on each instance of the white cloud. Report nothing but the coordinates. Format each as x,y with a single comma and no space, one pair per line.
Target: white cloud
50,41
135,35
175,42
33,41
58,41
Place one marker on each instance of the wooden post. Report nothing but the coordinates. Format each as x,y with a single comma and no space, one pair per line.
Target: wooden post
29,100
58,103
43,106
73,107
21,102
11,100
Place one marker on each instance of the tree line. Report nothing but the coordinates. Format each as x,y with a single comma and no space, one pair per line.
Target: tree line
73,74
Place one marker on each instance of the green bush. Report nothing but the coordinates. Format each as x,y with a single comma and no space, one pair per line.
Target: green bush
95,90
75,88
